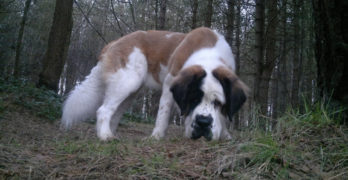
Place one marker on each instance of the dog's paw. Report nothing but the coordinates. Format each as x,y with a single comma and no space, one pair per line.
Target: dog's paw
157,135
106,135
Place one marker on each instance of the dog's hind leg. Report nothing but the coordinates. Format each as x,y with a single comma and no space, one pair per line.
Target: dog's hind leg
119,86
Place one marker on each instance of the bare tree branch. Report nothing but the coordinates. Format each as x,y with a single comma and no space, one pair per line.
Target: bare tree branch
115,15
89,22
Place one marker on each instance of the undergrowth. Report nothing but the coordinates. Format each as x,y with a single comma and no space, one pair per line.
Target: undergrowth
307,145
42,102
17,93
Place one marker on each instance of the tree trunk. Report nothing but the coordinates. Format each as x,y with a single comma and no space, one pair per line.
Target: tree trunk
271,41
238,117
156,14
259,33
265,66
17,66
208,14
194,14
238,36
71,69
230,22
296,62
274,96
131,8
58,43
331,49
282,73
162,15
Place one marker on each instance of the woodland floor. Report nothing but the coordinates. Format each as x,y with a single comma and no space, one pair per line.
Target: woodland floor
32,146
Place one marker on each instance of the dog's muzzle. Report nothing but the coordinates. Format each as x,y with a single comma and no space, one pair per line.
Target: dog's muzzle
202,127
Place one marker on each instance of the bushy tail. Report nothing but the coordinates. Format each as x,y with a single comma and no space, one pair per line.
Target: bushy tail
84,100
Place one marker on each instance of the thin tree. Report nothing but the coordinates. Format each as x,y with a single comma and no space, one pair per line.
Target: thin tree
230,21
131,7
239,116
238,27
58,43
259,48
162,14
194,14
265,66
282,72
17,66
296,51
208,13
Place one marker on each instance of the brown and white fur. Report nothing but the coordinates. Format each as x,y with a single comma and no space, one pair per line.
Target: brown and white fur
195,70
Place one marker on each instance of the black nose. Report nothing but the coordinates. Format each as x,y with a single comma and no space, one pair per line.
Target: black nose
204,121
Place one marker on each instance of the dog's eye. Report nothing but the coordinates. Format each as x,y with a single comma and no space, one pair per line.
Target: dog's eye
217,103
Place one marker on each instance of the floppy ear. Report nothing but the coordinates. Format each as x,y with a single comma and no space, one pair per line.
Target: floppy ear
235,90
186,88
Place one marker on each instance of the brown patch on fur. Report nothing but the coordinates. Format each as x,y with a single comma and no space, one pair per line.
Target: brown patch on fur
223,72
235,90
188,72
156,47
195,40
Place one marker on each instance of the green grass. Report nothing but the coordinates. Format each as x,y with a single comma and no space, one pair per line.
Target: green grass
307,144
311,144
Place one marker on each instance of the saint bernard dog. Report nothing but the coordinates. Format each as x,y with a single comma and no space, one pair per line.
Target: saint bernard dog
196,72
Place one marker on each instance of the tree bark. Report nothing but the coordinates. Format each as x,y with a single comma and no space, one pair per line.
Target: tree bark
17,65
58,43
132,13
238,118
209,13
274,96
116,18
162,15
156,14
296,61
238,36
282,73
194,14
230,22
331,49
266,65
259,38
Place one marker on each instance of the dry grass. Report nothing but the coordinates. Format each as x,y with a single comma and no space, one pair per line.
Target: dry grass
31,147
304,146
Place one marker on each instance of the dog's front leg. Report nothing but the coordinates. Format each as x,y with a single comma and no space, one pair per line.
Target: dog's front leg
165,106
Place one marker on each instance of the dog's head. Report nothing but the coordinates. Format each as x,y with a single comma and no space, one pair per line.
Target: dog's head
207,100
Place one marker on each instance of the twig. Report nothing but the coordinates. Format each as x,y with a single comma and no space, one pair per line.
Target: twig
115,15
89,22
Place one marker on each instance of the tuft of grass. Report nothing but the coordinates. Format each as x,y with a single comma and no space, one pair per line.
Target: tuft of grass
40,101
305,145
317,115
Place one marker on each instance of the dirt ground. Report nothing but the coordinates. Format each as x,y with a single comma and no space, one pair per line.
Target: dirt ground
311,145
36,148
33,148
